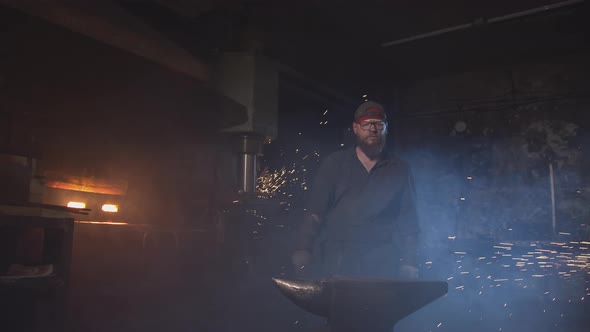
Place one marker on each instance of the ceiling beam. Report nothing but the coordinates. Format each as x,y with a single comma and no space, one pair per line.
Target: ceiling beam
108,23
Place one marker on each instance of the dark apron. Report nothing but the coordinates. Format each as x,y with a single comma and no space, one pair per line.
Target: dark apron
359,260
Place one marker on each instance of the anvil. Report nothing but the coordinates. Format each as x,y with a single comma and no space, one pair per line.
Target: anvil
354,305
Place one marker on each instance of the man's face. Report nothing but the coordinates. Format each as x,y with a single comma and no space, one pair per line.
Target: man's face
370,133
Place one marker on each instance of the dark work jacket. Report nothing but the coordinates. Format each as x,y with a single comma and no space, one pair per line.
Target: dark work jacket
363,209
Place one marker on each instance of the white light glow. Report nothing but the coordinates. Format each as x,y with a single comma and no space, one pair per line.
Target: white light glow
77,205
110,208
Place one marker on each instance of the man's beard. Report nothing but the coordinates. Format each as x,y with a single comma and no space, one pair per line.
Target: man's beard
372,149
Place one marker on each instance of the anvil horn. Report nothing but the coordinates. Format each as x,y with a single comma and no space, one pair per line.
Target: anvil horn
311,296
353,305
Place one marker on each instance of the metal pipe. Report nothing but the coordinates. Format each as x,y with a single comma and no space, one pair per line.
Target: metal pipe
248,172
248,146
552,185
534,11
482,21
427,34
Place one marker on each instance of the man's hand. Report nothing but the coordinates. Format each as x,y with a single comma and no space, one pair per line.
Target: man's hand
300,260
408,272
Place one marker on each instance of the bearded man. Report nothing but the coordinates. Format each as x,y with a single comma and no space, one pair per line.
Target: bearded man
362,208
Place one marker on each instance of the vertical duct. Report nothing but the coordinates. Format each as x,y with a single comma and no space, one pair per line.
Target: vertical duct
248,146
251,80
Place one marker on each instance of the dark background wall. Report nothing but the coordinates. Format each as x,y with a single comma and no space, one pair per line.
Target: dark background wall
501,126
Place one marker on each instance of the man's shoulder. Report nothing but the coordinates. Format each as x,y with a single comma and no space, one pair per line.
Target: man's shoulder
398,162
340,155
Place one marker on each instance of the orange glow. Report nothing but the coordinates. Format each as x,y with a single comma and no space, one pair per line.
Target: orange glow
58,180
110,208
102,222
77,205
84,188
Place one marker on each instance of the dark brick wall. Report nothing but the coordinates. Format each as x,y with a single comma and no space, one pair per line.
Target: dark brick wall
481,143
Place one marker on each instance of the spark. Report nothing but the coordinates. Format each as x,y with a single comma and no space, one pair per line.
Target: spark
271,182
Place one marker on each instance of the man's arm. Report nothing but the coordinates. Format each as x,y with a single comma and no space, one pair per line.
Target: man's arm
318,203
308,231
409,227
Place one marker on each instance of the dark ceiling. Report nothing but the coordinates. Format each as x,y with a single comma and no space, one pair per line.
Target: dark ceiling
339,43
